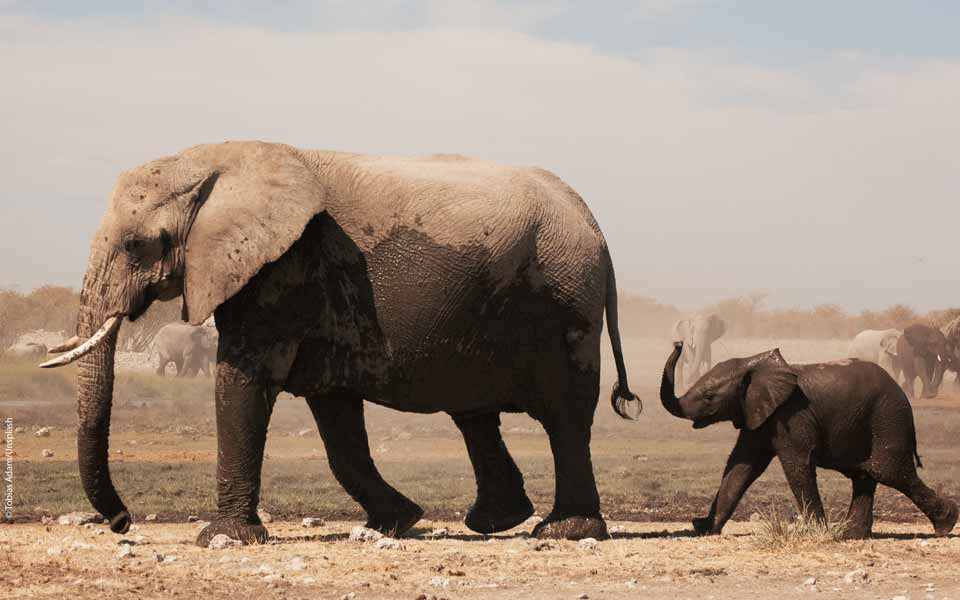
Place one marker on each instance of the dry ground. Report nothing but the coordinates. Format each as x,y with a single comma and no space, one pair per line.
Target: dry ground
643,560
654,474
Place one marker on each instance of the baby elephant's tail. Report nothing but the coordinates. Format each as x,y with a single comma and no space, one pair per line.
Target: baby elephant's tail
621,395
916,457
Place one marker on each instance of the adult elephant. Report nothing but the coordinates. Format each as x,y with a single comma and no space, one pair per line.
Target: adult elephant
191,349
698,333
422,284
923,352
951,331
878,347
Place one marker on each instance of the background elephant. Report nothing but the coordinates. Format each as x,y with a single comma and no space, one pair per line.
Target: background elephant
923,353
26,351
697,334
191,349
951,331
848,416
879,347
423,284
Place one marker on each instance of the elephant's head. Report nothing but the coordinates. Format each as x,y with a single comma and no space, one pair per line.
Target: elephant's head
888,343
743,390
197,225
931,345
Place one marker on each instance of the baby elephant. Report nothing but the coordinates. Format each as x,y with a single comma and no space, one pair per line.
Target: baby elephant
849,416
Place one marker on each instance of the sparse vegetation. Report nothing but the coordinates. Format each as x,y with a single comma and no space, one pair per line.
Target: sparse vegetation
780,529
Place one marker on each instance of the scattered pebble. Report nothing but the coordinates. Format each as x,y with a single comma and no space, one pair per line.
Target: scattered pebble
126,551
440,582
46,453
222,541
439,532
388,543
55,551
43,432
363,534
296,564
856,577
265,517
631,583
588,544
304,432
192,519
313,522
810,581
79,518
150,517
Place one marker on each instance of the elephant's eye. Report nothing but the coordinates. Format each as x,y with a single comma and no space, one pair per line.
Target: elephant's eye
134,245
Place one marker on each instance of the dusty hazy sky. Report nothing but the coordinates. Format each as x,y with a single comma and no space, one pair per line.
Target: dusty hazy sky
808,149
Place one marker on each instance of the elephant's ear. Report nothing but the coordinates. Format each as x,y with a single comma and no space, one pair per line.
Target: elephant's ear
680,331
263,197
767,389
889,344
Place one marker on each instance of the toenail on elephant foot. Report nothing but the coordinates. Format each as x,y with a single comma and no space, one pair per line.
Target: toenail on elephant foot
493,517
571,528
397,521
237,529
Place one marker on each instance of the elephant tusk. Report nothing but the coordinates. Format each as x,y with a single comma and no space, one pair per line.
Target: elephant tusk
67,345
939,359
109,327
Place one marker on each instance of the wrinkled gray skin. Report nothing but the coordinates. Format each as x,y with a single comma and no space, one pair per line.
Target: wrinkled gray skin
951,331
190,348
848,416
698,333
423,284
878,347
26,351
924,354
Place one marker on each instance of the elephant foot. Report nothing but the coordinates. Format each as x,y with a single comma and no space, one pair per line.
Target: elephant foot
237,529
704,526
398,520
944,526
857,532
493,516
571,528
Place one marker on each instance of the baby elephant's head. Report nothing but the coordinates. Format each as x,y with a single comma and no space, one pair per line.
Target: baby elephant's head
743,390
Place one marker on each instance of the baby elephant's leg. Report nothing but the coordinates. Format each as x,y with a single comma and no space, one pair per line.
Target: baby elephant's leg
942,512
801,474
748,460
860,514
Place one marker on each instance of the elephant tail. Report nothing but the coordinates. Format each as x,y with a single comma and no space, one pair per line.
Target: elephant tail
621,395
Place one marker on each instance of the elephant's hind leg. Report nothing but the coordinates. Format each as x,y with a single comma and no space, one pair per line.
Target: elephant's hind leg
243,413
340,420
942,512
860,513
501,502
576,510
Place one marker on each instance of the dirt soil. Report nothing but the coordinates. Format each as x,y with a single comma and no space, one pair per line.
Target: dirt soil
654,560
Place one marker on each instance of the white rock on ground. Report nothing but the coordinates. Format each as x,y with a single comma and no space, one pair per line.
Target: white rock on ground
222,541
18,430
810,581
79,518
312,522
304,432
296,564
588,544
439,532
46,453
265,517
54,550
43,432
856,577
192,519
363,534
440,582
150,517
388,543
126,551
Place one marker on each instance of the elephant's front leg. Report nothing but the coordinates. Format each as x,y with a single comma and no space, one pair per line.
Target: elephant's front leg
339,417
747,462
501,503
243,413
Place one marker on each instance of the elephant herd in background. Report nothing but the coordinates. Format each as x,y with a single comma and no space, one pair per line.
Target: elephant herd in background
428,284
920,351
191,348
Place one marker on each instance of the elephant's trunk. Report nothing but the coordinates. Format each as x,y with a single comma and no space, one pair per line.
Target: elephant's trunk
668,396
94,401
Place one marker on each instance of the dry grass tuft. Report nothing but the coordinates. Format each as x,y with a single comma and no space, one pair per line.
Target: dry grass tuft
779,530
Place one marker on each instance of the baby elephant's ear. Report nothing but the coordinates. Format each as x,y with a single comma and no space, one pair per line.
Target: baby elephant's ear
766,390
